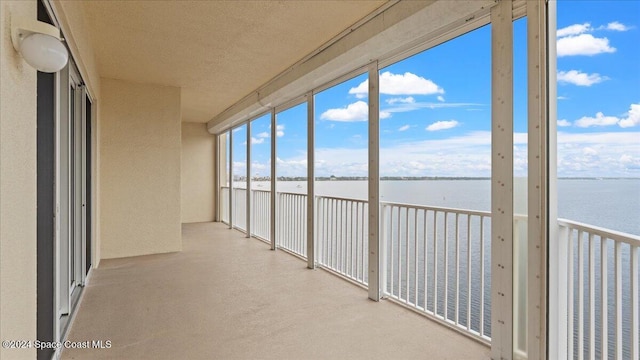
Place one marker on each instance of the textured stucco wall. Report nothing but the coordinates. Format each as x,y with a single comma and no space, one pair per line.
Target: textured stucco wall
17,187
139,146
198,193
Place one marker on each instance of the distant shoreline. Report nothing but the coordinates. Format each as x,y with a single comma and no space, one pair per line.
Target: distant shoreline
414,178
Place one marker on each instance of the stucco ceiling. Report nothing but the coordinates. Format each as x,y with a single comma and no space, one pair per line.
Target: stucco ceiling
216,51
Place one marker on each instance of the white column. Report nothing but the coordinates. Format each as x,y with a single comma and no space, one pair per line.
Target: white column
311,195
538,45
274,198
558,243
231,179
216,177
502,181
374,183
249,193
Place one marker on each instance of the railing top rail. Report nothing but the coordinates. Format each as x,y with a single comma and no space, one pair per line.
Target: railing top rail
289,193
341,198
633,240
438,208
261,190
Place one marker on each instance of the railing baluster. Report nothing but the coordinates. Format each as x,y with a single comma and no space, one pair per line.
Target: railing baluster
618,284
635,305
415,251
364,238
399,256
340,237
580,296
604,290
406,223
592,298
357,238
570,283
457,269
435,264
351,237
446,266
481,275
391,254
426,254
468,272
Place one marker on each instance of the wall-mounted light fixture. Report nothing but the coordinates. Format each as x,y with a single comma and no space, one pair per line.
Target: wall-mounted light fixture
40,44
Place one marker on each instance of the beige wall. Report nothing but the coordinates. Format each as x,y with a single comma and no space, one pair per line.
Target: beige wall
198,191
17,187
139,144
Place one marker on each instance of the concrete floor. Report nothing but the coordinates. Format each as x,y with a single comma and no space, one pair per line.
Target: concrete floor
229,297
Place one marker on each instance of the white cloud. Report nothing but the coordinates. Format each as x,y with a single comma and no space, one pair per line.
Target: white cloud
563,98
600,154
583,44
407,100
442,125
574,29
632,119
258,140
263,134
599,120
617,26
399,84
589,151
578,78
404,128
440,98
358,111
564,123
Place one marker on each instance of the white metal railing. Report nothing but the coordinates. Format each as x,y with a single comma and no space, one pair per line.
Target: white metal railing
239,206
261,214
224,204
341,237
602,277
437,261
291,231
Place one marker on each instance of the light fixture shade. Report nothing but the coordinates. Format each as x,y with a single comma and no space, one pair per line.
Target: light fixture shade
44,52
39,43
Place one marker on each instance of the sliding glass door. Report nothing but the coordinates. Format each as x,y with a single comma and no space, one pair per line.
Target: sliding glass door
71,210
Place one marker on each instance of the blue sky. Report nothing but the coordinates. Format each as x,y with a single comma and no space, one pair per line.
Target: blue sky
435,107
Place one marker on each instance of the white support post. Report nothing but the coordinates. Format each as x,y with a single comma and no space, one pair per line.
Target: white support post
248,195
558,241
231,179
311,195
538,154
272,205
502,181
374,182
216,177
